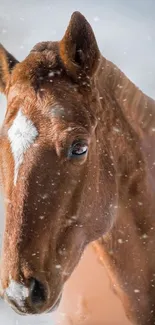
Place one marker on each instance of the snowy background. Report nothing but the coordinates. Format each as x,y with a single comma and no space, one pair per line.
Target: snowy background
125,31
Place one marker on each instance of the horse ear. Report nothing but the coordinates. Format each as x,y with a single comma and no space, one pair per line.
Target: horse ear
7,63
78,48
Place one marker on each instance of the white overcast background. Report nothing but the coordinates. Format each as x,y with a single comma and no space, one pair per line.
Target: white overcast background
125,31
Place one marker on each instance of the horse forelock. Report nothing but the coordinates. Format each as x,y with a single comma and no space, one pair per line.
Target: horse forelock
37,68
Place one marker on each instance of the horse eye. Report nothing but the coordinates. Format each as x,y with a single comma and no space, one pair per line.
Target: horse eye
78,149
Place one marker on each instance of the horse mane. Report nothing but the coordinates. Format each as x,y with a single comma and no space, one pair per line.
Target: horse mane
137,107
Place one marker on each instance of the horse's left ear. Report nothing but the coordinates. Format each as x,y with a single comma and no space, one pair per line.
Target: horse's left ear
78,48
7,63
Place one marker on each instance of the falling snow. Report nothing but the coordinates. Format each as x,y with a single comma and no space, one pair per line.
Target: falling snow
111,26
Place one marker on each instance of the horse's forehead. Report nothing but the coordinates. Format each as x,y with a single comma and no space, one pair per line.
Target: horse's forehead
24,131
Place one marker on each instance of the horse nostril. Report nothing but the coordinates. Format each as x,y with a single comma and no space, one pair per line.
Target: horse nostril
37,292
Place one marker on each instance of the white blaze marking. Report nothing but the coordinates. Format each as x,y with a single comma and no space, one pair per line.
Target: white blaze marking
22,135
18,292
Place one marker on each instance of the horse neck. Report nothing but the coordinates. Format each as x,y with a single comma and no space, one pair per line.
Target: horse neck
127,118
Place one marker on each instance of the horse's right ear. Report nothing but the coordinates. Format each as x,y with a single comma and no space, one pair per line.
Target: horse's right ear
7,63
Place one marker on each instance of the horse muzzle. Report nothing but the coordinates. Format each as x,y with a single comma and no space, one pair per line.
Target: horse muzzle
26,300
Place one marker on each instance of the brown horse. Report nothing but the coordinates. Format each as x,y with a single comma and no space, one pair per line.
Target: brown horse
77,164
